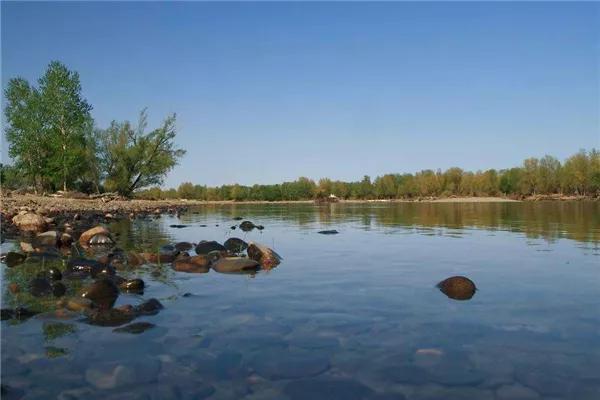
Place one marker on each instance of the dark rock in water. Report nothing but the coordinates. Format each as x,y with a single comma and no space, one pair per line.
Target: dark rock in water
52,274
329,232
132,285
111,317
103,293
266,256
40,287
260,227
134,259
457,287
81,268
238,218
50,239
12,259
233,227
150,307
205,247
135,328
183,246
58,289
235,245
196,264
247,226
327,388
19,313
6,313
290,364
232,265
101,240
178,226
167,249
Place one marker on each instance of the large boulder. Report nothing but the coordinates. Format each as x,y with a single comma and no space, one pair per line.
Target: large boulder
49,238
205,247
266,256
235,245
30,222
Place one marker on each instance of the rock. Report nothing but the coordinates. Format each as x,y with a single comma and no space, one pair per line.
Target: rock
82,268
66,239
290,364
58,289
40,287
135,328
178,226
77,304
87,235
101,240
238,218
235,245
150,307
30,222
132,285
111,317
27,247
329,232
103,293
183,246
327,388
457,288
134,259
205,247
267,257
12,259
49,238
247,226
516,392
52,274
232,265
196,264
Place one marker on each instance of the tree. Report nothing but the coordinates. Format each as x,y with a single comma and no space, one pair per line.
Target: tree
65,115
133,159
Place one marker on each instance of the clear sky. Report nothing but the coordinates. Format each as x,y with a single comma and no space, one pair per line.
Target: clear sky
267,92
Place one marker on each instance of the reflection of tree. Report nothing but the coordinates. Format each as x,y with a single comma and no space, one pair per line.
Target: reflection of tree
140,234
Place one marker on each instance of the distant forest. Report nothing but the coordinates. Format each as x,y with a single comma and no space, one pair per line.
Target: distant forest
578,175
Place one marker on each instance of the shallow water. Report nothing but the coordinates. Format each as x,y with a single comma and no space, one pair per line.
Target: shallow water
355,315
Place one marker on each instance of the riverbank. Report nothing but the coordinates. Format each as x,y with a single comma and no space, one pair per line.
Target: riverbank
12,204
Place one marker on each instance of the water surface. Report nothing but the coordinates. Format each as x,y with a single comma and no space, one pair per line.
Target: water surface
355,315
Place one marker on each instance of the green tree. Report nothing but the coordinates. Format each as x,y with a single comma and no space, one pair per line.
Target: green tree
65,115
133,159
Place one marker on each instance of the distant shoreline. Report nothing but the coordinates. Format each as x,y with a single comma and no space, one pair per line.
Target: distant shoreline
12,203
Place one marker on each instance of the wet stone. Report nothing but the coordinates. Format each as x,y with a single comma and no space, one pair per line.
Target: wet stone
291,364
150,307
183,246
50,239
247,226
205,247
457,288
52,274
40,287
328,232
82,268
235,245
111,317
103,293
327,388
135,328
132,285
12,259
58,289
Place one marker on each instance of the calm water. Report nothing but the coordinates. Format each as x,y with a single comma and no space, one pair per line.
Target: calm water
348,316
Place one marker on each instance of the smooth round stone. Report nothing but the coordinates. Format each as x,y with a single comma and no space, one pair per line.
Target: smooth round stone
233,265
196,264
52,274
132,285
327,388
205,247
103,293
111,317
457,288
247,226
290,364
112,375
183,246
149,307
58,289
12,259
40,287
81,267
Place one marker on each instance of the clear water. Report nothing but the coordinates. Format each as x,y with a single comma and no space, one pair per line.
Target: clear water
349,316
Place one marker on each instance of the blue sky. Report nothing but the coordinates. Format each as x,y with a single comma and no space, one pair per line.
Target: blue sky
267,92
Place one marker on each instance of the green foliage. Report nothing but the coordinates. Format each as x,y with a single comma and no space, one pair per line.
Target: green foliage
133,159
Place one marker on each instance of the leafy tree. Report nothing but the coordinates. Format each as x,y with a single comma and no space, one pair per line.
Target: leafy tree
133,159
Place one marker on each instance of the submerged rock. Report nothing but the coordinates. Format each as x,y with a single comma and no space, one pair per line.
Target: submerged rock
457,287
132,285
40,287
235,245
58,289
103,293
30,222
247,226
149,307
266,256
12,259
196,264
230,265
135,328
183,246
82,268
52,274
205,247
329,232
111,317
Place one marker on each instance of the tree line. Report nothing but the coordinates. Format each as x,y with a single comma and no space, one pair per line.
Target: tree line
577,175
55,144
